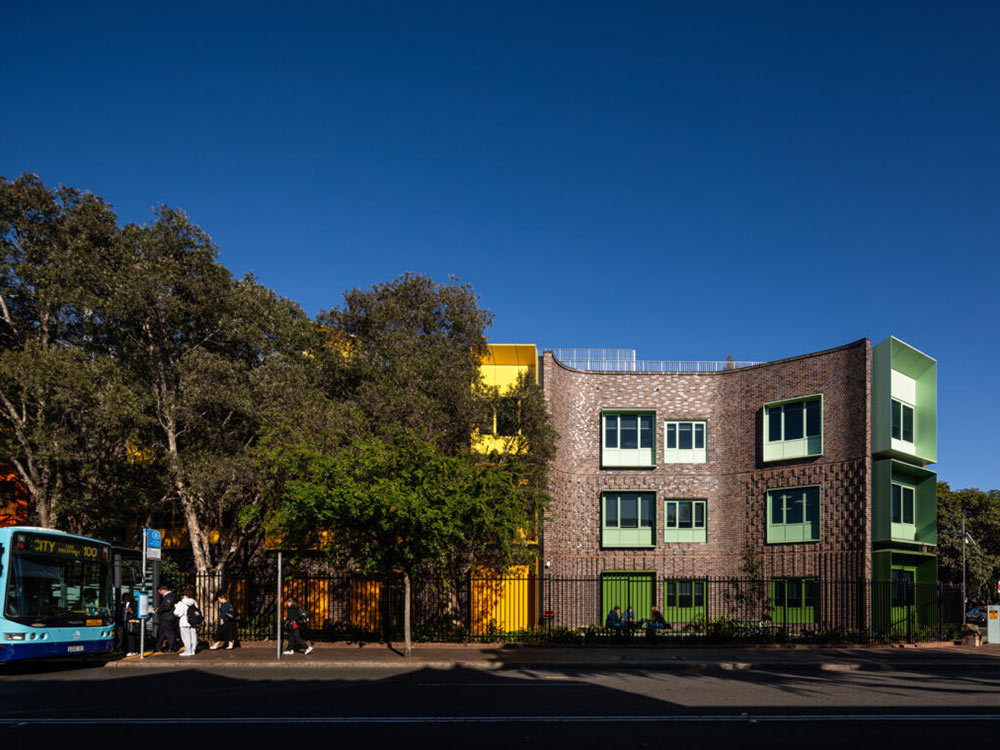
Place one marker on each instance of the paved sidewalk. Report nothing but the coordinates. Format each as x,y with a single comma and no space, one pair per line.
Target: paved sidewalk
925,657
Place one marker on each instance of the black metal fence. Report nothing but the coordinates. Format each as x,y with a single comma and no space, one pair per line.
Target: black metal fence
542,609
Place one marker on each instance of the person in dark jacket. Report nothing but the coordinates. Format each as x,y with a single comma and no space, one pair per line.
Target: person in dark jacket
130,625
628,619
614,619
296,619
167,639
226,632
657,620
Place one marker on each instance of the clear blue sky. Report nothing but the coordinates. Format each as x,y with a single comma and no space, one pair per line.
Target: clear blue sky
687,179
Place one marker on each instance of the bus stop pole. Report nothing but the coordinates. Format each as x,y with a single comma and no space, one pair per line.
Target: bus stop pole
277,607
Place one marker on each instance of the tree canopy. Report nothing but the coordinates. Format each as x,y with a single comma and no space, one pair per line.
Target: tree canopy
137,376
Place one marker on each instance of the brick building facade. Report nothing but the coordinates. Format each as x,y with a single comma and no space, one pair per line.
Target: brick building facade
766,470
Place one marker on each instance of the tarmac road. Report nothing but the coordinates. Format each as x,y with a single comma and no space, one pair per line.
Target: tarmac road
419,706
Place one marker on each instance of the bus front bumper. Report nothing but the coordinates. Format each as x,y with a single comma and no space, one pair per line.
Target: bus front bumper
13,650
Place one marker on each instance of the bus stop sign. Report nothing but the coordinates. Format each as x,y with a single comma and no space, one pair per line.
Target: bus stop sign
152,541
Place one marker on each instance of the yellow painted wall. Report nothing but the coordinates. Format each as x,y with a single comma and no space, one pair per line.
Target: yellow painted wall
501,368
507,601
505,362
364,608
313,595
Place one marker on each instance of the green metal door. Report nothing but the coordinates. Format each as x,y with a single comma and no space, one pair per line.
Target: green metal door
904,609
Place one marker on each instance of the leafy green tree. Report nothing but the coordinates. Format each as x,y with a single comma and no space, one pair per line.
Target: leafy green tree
407,352
211,353
395,503
65,407
981,511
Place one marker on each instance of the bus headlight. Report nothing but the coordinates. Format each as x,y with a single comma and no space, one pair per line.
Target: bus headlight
14,636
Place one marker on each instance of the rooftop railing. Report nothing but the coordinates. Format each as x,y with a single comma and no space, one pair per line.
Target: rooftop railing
579,360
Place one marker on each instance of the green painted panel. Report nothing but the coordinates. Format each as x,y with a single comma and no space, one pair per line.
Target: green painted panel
893,354
794,601
641,537
694,536
898,612
924,483
882,398
882,501
624,588
684,600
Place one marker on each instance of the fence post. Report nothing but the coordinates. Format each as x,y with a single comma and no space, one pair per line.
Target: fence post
277,607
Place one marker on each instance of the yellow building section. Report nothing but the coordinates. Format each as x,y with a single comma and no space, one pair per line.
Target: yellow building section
504,363
176,537
501,368
504,601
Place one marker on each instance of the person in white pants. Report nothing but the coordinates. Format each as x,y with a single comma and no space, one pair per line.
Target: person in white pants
189,634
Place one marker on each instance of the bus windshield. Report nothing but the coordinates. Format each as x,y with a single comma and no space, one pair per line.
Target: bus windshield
58,581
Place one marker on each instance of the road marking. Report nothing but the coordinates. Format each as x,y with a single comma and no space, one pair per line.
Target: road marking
666,719
524,683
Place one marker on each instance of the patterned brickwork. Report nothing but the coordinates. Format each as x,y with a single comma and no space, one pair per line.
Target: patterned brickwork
734,481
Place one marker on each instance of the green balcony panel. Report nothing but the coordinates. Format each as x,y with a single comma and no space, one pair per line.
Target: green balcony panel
904,403
890,523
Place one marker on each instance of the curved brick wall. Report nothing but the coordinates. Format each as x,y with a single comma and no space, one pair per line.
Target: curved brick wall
734,481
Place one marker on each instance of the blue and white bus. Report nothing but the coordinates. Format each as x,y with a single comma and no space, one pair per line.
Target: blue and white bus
57,594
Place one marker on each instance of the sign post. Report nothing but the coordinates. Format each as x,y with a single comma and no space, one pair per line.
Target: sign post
142,612
152,543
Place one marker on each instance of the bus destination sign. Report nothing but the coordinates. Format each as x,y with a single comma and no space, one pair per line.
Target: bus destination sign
55,546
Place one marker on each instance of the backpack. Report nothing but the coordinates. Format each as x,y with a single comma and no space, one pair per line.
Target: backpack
194,616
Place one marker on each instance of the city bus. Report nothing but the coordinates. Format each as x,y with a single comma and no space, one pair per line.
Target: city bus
57,594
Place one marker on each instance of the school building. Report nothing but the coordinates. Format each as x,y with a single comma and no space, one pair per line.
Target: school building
807,473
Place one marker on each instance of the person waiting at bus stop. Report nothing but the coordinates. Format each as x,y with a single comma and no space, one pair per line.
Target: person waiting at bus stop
188,628
166,639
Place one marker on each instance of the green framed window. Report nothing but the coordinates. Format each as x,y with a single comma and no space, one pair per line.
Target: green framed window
684,600
793,428
628,439
793,515
794,601
685,521
684,442
903,510
902,421
628,519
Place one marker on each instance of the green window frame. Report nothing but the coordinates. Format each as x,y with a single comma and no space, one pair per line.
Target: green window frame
628,519
793,428
628,438
685,441
684,599
793,514
685,521
903,511
794,601
902,421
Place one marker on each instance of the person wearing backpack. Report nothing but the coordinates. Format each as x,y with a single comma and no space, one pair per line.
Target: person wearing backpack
189,617
296,619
